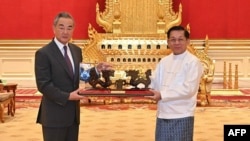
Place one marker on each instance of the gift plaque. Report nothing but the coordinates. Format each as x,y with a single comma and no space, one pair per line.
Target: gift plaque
116,93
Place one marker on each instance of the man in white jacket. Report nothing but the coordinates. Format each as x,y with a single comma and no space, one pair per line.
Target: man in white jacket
175,85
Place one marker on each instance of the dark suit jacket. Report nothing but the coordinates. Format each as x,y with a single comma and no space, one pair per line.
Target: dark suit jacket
54,82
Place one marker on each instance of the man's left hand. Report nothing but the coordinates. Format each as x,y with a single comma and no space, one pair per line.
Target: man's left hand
104,66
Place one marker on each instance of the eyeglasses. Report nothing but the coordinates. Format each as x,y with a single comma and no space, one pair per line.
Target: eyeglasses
173,40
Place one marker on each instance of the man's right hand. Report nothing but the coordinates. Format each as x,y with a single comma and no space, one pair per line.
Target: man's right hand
75,95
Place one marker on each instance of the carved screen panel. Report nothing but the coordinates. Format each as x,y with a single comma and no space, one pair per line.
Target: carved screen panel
139,16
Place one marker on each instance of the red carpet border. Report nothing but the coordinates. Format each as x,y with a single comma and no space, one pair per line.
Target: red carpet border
28,97
30,92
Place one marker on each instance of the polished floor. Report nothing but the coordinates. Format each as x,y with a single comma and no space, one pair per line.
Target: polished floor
124,122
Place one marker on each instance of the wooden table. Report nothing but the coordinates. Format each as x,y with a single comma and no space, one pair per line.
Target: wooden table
8,87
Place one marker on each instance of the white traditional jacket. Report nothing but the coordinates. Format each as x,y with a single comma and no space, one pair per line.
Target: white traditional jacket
177,78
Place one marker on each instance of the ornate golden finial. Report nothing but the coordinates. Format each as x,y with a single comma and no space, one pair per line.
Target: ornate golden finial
188,28
206,44
117,11
101,21
177,18
161,12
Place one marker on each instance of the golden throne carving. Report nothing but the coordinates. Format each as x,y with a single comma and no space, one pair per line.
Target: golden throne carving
131,22
135,37
208,75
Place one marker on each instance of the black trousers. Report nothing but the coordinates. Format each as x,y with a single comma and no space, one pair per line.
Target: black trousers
61,133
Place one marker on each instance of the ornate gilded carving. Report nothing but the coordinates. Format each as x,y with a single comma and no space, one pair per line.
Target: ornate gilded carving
117,12
90,51
141,22
117,18
103,19
206,44
208,75
175,18
135,33
141,16
135,39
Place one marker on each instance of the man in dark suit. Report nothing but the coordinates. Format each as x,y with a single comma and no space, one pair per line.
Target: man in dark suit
57,77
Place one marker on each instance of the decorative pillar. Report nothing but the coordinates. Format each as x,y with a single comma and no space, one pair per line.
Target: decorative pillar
224,76
230,76
236,86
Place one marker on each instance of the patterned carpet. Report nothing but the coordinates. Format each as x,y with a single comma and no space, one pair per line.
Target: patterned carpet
136,123
124,122
219,97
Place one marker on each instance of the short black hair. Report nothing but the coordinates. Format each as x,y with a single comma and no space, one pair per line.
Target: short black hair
180,28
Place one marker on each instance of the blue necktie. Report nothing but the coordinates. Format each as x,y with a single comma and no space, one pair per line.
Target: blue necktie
68,61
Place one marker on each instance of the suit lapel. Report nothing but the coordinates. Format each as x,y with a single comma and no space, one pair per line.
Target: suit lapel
60,58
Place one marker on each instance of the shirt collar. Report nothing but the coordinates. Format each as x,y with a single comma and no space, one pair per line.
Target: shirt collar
180,56
59,44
